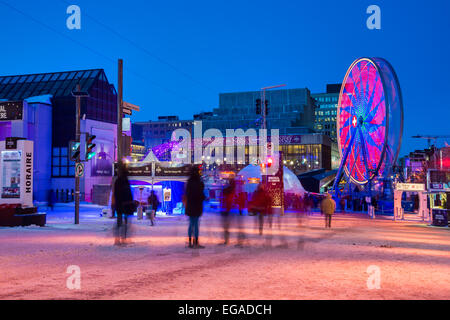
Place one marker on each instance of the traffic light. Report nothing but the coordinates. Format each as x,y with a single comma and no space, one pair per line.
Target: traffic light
269,162
90,145
258,106
266,102
74,148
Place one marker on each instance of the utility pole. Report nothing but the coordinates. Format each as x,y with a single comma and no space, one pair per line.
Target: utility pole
78,95
119,110
77,139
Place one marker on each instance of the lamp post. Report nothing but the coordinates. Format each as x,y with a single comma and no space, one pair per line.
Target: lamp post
78,95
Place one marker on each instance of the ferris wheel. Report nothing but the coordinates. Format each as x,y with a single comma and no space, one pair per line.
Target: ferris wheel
369,122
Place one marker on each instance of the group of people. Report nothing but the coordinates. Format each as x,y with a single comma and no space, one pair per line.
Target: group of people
260,205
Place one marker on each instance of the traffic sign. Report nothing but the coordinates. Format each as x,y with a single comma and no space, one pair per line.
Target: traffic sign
79,169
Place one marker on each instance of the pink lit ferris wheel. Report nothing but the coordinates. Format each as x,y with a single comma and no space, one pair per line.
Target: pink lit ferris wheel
369,122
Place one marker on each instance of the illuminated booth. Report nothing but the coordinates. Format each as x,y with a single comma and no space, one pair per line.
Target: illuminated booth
166,180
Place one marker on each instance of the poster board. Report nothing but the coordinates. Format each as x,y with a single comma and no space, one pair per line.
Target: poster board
16,173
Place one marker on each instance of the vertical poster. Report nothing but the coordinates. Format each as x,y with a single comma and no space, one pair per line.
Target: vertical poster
11,174
102,163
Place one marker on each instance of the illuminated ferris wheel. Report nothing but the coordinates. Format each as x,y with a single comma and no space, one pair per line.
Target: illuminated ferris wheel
370,121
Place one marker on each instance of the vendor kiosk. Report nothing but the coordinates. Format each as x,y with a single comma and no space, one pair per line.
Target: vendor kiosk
16,184
423,212
438,182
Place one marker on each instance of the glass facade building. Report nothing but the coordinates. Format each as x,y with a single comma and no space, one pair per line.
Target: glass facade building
53,92
326,111
153,133
289,110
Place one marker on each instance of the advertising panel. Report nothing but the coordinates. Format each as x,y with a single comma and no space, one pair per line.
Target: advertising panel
102,163
11,161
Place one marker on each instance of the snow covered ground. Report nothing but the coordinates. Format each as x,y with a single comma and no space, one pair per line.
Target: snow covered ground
413,260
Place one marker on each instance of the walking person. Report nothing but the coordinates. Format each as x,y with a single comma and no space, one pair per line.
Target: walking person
241,200
327,207
257,207
51,199
194,197
113,200
227,203
124,204
153,204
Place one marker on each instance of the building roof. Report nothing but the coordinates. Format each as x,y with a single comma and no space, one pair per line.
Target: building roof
57,84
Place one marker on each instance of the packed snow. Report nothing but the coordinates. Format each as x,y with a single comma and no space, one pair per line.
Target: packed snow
290,261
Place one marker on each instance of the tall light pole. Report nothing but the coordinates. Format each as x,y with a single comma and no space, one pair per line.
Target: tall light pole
119,109
78,95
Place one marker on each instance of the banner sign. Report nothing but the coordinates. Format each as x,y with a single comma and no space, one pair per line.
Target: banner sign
410,186
11,110
439,180
139,170
182,171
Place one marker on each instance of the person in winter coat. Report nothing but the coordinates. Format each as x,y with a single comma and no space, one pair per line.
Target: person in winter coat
194,197
153,204
327,207
228,197
261,206
241,200
124,204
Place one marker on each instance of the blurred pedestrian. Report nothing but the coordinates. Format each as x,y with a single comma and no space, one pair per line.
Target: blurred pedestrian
194,197
124,204
153,204
327,207
51,199
241,200
113,200
227,203
260,202
342,204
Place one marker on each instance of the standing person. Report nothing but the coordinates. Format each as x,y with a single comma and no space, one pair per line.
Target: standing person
228,196
51,199
194,196
327,207
241,199
342,204
124,204
259,205
300,209
153,204
113,200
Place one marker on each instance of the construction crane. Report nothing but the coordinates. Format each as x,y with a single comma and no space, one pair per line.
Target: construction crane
430,138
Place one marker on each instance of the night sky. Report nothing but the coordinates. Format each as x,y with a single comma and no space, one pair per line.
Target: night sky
179,55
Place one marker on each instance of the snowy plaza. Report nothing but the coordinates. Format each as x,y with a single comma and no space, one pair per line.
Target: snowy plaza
287,262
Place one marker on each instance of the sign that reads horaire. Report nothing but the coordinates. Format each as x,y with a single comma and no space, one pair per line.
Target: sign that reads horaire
11,110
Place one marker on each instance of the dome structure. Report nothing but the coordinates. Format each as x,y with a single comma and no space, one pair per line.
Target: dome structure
251,176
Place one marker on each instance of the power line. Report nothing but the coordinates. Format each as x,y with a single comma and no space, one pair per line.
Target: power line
146,51
94,51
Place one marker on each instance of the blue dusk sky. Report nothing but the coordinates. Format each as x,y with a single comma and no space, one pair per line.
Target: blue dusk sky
179,55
